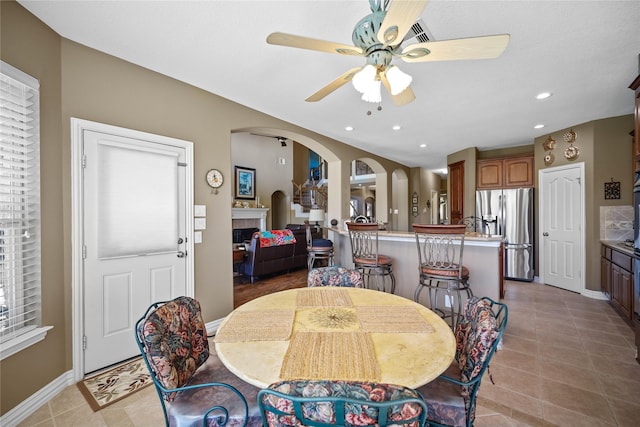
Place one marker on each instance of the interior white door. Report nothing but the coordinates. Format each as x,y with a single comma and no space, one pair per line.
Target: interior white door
134,238
562,226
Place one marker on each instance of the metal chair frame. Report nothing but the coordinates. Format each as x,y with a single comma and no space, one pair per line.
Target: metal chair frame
164,393
341,406
501,313
366,257
440,256
315,253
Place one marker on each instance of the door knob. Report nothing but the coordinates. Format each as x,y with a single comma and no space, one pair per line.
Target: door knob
181,254
545,234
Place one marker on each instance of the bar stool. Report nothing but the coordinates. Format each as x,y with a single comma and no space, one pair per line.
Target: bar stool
374,266
317,249
440,249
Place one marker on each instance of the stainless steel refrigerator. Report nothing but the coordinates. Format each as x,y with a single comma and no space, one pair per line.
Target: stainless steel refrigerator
509,213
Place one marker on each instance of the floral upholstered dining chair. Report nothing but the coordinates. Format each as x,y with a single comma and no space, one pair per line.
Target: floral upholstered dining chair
194,387
451,398
340,403
335,276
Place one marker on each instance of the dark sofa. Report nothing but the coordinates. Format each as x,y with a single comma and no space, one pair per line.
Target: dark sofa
275,259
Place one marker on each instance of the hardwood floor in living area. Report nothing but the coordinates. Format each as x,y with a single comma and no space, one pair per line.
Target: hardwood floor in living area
244,291
567,361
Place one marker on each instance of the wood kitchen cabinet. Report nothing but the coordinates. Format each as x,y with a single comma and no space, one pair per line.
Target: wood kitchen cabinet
456,192
617,279
511,172
635,86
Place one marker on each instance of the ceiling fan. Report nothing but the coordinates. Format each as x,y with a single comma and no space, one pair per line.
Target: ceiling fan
281,139
378,37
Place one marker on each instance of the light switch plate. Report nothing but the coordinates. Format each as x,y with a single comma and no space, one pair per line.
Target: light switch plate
197,237
200,210
200,223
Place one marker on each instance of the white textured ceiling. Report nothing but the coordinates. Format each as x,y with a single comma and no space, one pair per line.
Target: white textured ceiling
584,52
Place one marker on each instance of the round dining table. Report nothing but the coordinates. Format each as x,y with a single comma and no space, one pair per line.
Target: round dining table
334,333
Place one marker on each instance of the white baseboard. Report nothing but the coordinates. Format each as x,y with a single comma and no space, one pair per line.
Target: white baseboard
212,327
594,294
27,407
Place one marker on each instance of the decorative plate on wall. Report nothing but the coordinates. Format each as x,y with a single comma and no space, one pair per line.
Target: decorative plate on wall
569,137
549,144
549,158
571,153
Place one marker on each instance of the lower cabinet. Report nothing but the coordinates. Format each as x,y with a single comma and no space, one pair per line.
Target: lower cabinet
616,271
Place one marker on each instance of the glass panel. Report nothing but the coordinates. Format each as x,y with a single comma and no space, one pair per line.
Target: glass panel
137,202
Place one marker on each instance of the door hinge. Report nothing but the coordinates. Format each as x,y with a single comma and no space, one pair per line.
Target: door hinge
84,342
182,164
84,252
83,162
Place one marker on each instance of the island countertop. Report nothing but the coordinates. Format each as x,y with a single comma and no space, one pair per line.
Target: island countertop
482,256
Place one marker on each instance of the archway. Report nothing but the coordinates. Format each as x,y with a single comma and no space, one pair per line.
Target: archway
279,210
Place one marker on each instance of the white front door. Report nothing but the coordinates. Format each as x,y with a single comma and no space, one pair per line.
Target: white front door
135,232
561,234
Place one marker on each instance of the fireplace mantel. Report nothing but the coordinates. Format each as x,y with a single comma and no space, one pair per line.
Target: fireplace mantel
259,214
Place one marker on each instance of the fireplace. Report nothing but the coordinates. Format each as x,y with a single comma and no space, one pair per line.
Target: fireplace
249,217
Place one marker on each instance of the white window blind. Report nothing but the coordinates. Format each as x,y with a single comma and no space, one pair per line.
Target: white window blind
20,302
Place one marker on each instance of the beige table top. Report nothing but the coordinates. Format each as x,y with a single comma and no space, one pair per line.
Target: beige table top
335,333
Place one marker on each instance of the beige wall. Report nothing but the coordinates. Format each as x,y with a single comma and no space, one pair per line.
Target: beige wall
24,373
423,182
80,82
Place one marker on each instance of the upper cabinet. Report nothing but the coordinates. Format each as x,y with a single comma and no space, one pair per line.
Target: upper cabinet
508,172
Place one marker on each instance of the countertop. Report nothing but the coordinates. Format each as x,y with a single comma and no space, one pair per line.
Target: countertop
468,236
619,245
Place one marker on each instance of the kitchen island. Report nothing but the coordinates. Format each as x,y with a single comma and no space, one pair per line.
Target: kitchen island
482,256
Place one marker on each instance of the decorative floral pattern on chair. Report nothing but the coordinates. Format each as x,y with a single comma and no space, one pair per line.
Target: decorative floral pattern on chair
335,276
176,329
193,385
276,238
451,397
340,403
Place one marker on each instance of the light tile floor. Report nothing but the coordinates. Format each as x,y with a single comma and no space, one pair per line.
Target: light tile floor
567,360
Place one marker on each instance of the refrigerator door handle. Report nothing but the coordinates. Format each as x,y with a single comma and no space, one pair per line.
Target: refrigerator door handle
517,245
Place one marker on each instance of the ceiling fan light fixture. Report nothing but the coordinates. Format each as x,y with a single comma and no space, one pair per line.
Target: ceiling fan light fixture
398,80
373,92
363,79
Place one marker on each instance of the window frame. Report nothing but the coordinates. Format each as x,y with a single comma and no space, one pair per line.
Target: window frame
26,330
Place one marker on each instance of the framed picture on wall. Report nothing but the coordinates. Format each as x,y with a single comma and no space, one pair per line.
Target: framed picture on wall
245,183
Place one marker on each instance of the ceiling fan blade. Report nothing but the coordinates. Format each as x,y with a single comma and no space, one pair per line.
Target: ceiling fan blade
290,40
403,98
337,83
485,47
401,15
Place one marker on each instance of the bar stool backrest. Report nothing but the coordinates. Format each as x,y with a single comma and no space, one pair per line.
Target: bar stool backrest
440,249
364,242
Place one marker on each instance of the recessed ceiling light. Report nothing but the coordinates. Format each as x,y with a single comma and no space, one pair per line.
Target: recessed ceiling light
349,128
538,126
543,95
396,127
423,145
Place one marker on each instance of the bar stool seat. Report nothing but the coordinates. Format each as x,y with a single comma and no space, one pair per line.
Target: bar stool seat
440,250
318,249
376,268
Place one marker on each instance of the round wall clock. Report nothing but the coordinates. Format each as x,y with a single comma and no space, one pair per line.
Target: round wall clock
214,178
